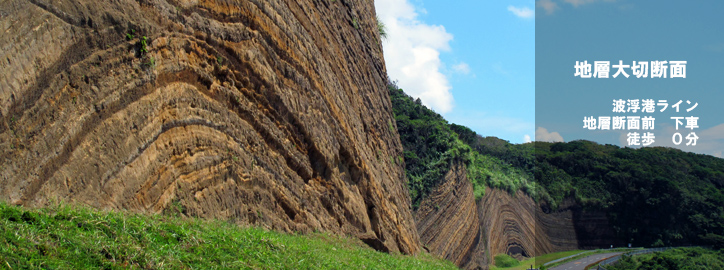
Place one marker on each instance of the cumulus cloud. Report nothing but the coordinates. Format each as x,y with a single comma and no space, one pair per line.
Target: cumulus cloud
462,68
542,135
718,47
412,54
577,3
550,6
523,12
526,138
547,5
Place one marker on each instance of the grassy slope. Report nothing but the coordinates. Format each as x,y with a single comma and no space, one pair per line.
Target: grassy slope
73,238
537,261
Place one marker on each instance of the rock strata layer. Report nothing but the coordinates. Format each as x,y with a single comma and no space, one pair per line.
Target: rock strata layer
452,225
447,219
272,113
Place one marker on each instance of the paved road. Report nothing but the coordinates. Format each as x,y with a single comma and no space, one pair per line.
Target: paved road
585,261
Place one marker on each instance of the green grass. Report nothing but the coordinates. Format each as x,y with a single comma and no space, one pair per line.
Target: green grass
66,237
382,29
540,260
504,260
537,261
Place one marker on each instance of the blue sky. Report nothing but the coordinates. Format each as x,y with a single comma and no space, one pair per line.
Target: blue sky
645,30
471,61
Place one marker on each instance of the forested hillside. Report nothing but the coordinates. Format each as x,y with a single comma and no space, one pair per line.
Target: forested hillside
652,196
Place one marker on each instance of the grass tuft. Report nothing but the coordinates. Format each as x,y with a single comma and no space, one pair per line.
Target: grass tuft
504,260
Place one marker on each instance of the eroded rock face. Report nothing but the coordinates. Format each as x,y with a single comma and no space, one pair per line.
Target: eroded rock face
272,113
447,219
509,222
518,226
454,226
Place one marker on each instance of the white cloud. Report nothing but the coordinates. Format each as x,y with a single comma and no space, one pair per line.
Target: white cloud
461,68
526,138
547,5
710,142
493,124
412,54
542,135
577,3
718,47
498,68
523,12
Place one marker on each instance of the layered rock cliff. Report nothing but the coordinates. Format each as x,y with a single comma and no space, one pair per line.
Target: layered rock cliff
454,226
517,226
447,219
272,113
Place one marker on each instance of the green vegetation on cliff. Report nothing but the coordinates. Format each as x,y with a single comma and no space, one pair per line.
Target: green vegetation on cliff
77,238
428,143
431,144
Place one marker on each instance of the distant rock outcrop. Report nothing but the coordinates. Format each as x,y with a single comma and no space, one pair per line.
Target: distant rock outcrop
454,226
273,113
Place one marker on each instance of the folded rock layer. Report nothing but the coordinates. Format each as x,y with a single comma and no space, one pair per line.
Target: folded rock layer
470,233
266,112
447,219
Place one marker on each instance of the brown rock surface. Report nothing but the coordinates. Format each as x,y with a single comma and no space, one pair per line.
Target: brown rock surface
509,222
272,113
447,219
454,226
518,226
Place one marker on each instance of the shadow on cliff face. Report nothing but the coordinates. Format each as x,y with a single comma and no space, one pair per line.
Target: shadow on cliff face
447,219
593,229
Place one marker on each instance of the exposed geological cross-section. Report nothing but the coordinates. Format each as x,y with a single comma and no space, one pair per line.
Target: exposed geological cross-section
272,113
